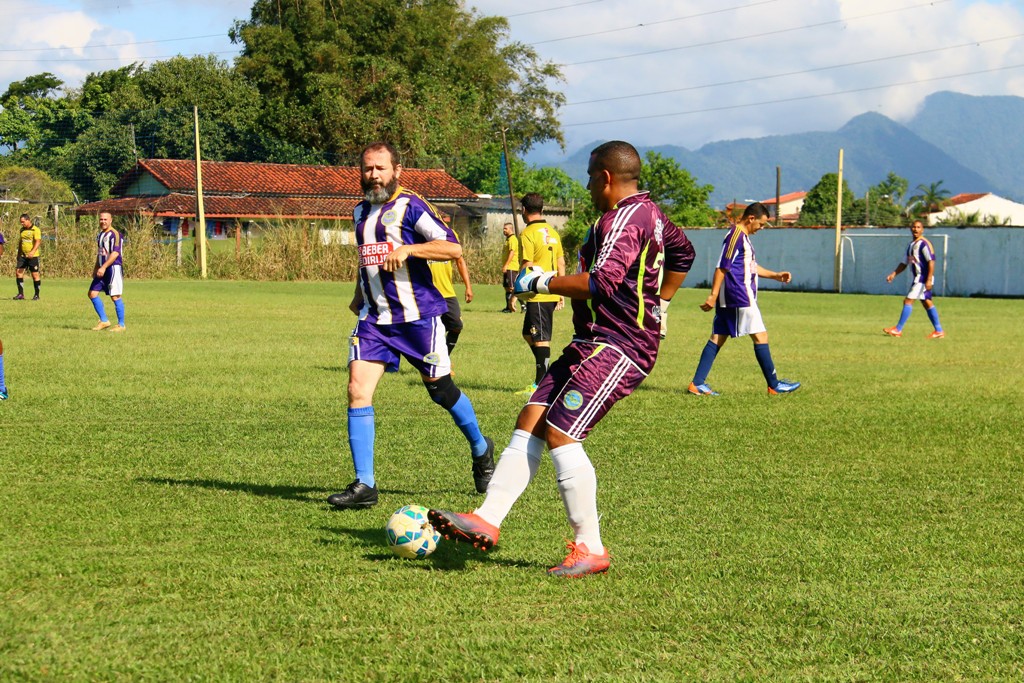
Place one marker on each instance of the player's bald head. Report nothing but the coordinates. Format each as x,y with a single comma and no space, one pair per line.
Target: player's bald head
619,158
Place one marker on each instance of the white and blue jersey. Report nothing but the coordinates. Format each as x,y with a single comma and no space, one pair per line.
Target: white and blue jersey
919,253
107,242
407,294
739,290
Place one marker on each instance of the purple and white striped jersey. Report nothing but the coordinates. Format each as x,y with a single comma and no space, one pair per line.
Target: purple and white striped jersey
919,253
739,289
407,294
107,242
625,252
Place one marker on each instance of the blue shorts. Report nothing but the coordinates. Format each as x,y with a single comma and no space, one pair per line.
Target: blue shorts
421,342
583,385
111,284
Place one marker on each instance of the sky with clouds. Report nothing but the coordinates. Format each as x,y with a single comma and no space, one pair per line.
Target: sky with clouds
648,71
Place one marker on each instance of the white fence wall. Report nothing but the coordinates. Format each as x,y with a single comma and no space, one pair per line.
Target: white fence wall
970,261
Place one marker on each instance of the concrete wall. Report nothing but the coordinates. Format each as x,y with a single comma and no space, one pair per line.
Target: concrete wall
970,261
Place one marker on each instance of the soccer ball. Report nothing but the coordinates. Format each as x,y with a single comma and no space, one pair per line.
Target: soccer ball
410,534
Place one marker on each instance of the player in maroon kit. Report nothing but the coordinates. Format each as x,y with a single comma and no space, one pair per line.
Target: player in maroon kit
617,321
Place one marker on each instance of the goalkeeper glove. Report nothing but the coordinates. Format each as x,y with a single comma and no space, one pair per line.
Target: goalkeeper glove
532,281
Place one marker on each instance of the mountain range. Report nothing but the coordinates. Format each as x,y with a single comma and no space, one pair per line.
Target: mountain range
970,143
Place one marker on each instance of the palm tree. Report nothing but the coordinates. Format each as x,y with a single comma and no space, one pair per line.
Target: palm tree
930,198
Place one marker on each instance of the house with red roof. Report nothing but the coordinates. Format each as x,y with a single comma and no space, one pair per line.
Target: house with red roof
986,206
239,193
788,210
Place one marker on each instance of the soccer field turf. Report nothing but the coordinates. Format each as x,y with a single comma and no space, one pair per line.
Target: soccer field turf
164,517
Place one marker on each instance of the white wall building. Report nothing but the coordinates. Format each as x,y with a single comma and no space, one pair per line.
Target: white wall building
984,204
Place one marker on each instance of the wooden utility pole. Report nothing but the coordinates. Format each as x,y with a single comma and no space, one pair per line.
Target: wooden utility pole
839,227
199,229
511,194
778,194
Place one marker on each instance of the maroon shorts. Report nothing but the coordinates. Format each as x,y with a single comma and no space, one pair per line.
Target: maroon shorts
583,384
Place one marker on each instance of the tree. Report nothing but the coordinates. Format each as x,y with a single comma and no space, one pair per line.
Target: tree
894,187
930,198
34,185
38,86
881,204
676,191
426,75
820,203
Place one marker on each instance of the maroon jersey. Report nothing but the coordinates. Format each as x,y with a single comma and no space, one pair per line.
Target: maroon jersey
625,252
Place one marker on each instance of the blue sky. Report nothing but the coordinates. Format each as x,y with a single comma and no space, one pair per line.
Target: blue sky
648,71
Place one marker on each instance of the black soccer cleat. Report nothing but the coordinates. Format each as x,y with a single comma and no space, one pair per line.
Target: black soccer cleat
356,495
483,467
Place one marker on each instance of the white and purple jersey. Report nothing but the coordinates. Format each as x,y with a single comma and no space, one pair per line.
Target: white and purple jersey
107,242
407,294
625,252
919,253
739,289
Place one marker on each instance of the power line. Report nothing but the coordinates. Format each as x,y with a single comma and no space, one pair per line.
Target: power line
973,43
761,103
655,23
115,59
93,47
100,8
552,9
760,34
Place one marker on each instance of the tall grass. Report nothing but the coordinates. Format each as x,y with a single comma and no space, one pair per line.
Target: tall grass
284,251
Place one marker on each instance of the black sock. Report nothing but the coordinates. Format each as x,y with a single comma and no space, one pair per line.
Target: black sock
541,355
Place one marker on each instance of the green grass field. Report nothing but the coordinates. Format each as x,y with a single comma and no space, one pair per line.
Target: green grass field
164,517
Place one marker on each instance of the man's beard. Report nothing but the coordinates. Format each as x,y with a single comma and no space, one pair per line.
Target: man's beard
378,194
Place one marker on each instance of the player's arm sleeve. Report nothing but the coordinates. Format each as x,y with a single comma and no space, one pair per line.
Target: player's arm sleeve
614,260
679,251
428,224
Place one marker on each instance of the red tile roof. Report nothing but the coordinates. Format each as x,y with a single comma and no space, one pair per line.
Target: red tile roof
965,198
258,190
792,196
293,180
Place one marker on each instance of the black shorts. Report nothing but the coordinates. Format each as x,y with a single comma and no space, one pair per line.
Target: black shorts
452,319
538,321
30,264
508,278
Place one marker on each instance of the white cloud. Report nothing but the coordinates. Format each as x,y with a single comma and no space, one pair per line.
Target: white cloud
760,40
55,42
719,58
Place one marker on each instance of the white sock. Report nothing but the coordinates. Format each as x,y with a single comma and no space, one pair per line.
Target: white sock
516,468
577,482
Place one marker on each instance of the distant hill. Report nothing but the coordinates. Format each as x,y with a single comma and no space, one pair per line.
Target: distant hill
959,139
985,134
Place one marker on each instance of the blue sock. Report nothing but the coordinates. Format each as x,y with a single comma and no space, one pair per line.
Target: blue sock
361,432
764,359
465,417
119,307
933,315
3,383
707,359
904,316
97,303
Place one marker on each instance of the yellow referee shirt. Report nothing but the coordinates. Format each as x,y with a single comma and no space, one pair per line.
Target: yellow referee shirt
542,247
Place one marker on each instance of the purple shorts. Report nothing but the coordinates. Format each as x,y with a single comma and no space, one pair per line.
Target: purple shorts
111,284
421,342
583,385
